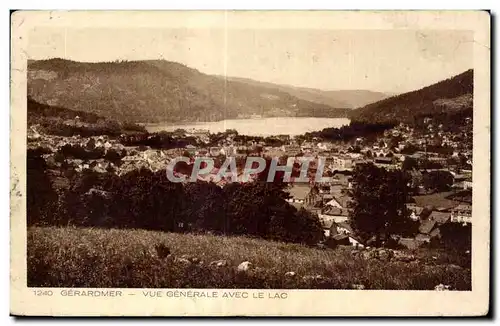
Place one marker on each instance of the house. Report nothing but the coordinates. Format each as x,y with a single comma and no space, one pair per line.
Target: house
343,228
355,156
415,211
411,243
307,147
325,198
339,201
338,239
327,226
90,145
202,152
426,226
333,214
242,150
338,197
33,134
467,184
228,151
99,142
416,178
383,160
292,150
340,163
191,149
440,217
324,146
299,193
438,160
215,151
429,228
98,192
351,240
82,167
324,188
461,214
342,179
314,197
202,134
436,200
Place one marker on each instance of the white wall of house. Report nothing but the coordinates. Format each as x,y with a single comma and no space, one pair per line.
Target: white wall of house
355,243
414,216
334,203
461,218
342,230
335,218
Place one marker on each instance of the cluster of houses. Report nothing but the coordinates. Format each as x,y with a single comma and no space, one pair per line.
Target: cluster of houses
328,200
331,203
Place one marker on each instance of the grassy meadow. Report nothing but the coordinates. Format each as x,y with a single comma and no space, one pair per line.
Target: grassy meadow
87,257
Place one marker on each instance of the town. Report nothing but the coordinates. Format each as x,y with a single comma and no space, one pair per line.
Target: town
438,162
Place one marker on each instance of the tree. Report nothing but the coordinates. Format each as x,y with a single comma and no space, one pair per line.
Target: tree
378,202
250,207
147,200
394,141
409,149
428,164
113,156
409,163
354,149
40,193
205,207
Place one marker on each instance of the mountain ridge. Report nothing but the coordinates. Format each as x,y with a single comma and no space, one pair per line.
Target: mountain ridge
350,99
449,96
160,91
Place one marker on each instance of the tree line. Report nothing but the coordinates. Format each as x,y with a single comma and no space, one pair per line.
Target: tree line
64,122
379,212
348,132
148,200
418,104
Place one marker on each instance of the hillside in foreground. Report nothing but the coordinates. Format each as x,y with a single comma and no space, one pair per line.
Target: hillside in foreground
160,91
451,96
79,257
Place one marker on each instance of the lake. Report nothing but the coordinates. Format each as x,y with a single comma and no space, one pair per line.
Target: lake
257,127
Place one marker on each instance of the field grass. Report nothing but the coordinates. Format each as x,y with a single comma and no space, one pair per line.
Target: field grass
84,257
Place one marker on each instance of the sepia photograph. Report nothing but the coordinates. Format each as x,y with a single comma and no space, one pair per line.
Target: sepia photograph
233,155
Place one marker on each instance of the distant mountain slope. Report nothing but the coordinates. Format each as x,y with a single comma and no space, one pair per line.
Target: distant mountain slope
64,122
452,95
158,91
358,97
340,98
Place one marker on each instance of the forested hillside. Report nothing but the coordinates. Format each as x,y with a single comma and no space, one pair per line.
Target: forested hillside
350,99
452,96
159,91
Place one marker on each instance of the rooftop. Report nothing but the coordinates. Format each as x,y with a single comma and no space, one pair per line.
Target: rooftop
299,191
436,200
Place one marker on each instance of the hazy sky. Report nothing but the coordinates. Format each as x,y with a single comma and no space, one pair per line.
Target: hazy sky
378,60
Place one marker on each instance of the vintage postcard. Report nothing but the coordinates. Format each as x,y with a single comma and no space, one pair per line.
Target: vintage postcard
250,163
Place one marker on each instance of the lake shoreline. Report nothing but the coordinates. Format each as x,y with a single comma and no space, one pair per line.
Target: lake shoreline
256,126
